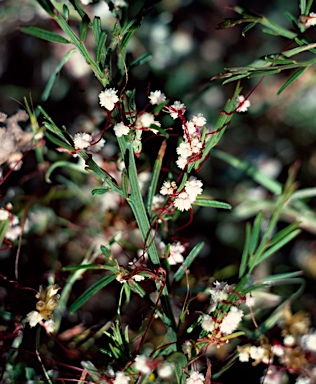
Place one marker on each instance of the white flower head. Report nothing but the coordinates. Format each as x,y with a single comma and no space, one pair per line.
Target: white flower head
158,202
145,120
207,323
303,380
311,20
289,340
49,326
97,146
121,129
141,364
121,378
34,318
4,214
198,120
82,140
138,278
168,188
165,370
250,300
119,3
243,356
156,97
176,109
195,378
175,253
108,98
231,321
309,342
182,201
193,188
86,2
243,104
181,162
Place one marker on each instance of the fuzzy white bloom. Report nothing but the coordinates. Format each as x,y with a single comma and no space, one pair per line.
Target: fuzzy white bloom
230,322
158,202
108,98
193,187
141,364
97,146
86,2
311,21
119,3
156,97
182,201
34,318
13,232
195,378
199,120
243,356
272,375
220,292
189,128
256,353
187,347
49,326
138,278
145,120
243,104
309,342
82,140
168,187
121,129
4,214
303,380
277,350
176,108
184,149
175,255
165,370
121,378
289,340
181,162
207,323
250,301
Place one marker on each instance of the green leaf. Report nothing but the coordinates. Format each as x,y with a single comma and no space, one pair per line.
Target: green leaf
101,49
99,191
188,261
140,61
48,7
4,225
83,266
66,12
65,164
53,77
254,239
179,361
280,277
44,34
270,184
248,27
78,8
96,28
291,80
204,202
283,233
84,25
56,140
245,254
155,177
91,291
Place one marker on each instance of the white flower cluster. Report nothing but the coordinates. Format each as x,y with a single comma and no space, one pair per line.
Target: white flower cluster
35,318
175,252
145,366
226,325
195,378
14,228
244,104
183,199
84,140
191,144
311,20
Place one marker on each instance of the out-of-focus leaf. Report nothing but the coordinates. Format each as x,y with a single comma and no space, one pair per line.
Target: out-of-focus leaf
84,25
188,261
64,164
245,254
91,291
140,61
291,80
204,202
56,140
45,35
247,28
179,361
99,191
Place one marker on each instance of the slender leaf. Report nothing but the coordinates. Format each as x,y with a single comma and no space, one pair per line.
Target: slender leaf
188,261
65,164
84,25
82,266
155,176
99,191
66,12
53,77
247,28
101,49
140,61
56,140
283,233
48,6
179,361
254,239
202,201
245,254
91,291
4,225
280,277
291,80
45,35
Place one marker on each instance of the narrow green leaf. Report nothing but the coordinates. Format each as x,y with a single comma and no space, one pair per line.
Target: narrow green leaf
91,291
48,6
125,183
278,246
204,202
155,177
297,50
254,239
280,277
179,361
284,232
188,261
234,78
101,49
66,12
99,191
78,8
84,25
247,28
53,77
308,6
96,28
56,140
303,7
291,18
44,34
270,184
4,224
65,164
245,254
106,251
83,266
291,80
140,61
